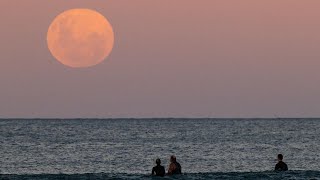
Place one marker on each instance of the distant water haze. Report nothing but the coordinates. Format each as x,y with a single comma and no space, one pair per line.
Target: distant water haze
178,58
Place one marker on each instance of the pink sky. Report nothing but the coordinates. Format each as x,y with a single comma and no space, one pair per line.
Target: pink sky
182,58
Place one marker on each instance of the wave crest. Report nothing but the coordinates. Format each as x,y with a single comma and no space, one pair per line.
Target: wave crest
204,176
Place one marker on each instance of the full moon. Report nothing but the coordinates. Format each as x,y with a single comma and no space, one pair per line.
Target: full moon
80,38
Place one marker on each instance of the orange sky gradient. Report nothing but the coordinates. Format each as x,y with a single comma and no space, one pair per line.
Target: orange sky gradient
183,58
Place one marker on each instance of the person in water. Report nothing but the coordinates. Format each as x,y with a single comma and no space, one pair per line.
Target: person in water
158,170
174,167
281,166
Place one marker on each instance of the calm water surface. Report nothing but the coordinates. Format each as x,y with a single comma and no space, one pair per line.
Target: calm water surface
130,146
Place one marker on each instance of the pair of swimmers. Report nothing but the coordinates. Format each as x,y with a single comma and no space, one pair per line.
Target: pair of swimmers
175,167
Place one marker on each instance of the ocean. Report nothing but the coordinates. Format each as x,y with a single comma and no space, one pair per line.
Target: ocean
127,148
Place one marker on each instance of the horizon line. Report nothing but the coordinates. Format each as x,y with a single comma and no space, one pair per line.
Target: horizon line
149,118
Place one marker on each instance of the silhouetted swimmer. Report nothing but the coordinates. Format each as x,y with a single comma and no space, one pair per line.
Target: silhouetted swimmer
158,170
174,167
281,166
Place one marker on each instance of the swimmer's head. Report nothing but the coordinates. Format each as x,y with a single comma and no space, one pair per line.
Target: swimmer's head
158,161
173,158
280,157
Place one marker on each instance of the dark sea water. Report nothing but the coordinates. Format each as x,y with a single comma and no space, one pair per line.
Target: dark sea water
127,148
